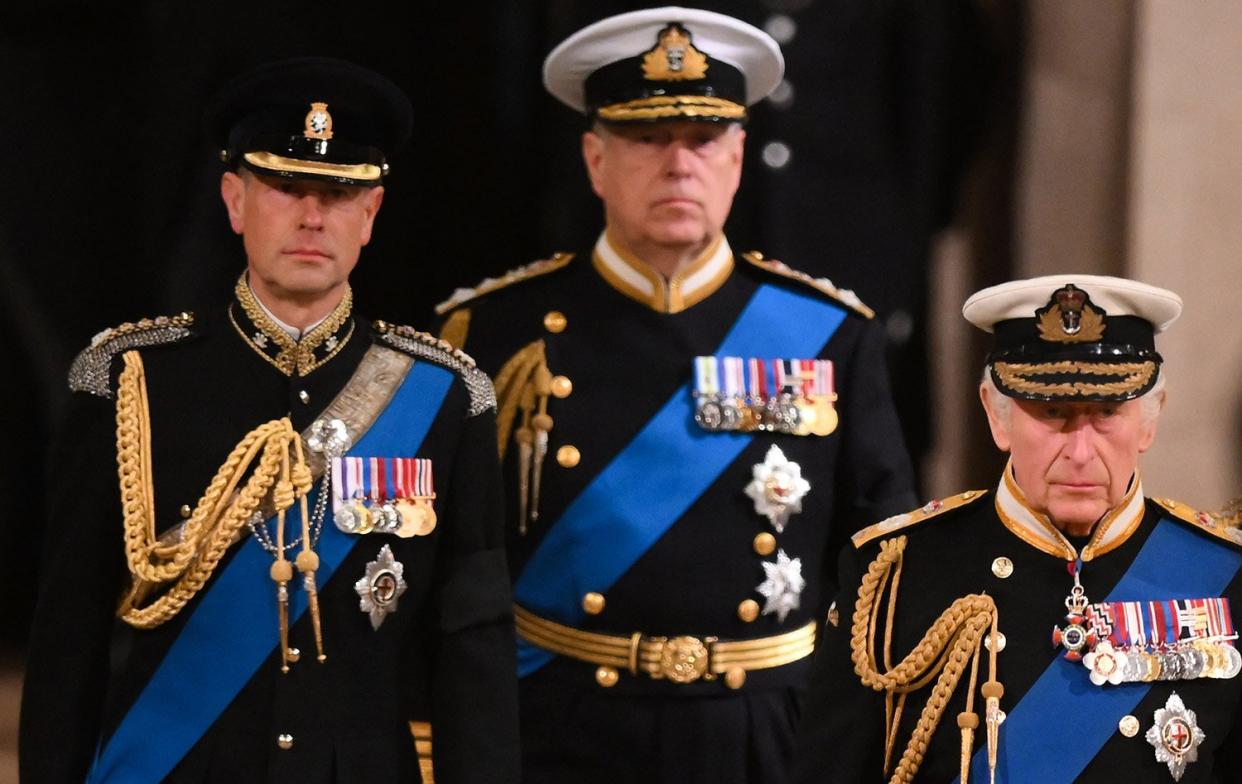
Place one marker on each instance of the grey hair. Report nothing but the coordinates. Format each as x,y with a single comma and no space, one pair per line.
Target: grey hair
1002,404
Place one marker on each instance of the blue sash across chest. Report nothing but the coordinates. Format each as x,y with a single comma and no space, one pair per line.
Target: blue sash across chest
232,631
1063,720
609,526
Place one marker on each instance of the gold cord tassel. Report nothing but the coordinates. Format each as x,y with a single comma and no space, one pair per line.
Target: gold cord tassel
526,445
542,424
281,571
308,559
967,723
523,385
993,690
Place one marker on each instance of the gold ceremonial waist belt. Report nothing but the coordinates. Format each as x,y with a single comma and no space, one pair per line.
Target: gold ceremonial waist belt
681,659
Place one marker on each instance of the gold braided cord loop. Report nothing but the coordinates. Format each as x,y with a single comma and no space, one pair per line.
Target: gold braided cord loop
218,516
946,649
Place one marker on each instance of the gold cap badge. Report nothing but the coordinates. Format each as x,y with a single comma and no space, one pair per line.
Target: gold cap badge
318,122
1070,317
674,57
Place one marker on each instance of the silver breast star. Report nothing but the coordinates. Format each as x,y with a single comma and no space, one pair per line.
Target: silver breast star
1176,736
777,488
380,588
783,585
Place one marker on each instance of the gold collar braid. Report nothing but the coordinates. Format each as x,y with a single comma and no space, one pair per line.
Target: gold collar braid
953,640
289,356
217,518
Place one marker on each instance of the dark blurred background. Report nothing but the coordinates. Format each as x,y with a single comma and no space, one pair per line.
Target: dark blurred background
111,209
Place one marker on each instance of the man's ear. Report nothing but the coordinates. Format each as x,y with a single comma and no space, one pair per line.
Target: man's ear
593,157
233,193
1150,422
996,419
374,198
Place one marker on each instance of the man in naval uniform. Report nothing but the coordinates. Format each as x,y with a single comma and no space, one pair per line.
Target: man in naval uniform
942,665
306,531
689,435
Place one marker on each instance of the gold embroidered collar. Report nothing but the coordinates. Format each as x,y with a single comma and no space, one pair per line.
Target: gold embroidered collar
637,280
270,341
1037,530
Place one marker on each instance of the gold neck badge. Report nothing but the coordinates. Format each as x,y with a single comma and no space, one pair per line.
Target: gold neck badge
291,357
318,122
1070,317
674,58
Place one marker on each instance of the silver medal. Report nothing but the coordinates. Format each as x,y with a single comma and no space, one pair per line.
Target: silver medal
1171,667
1193,662
708,414
1234,665
388,518
346,520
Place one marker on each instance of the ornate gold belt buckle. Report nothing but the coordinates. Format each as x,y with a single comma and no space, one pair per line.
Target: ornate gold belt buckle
683,659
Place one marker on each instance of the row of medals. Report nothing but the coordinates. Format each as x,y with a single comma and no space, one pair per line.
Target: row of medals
404,517
784,413
1188,660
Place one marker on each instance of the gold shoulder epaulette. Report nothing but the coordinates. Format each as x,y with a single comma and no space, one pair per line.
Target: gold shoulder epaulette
1219,526
822,285
488,285
424,345
925,512
91,369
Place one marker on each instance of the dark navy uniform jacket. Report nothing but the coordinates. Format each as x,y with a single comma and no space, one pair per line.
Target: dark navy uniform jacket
627,344
448,645
950,554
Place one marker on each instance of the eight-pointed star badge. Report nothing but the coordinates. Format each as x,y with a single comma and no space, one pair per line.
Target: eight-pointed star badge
380,588
783,585
777,488
1176,736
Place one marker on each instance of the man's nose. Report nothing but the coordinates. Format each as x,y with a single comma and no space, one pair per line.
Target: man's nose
678,156
312,211
1080,437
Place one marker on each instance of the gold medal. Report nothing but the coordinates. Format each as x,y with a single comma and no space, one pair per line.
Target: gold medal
826,419
427,521
750,418
411,518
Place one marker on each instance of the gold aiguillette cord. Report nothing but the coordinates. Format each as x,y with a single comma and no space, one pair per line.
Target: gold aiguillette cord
294,484
941,656
525,439
542,424
308,559
282,570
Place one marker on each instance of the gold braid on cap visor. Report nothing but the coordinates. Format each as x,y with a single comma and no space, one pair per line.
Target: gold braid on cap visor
1131,376
659,107
354,171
